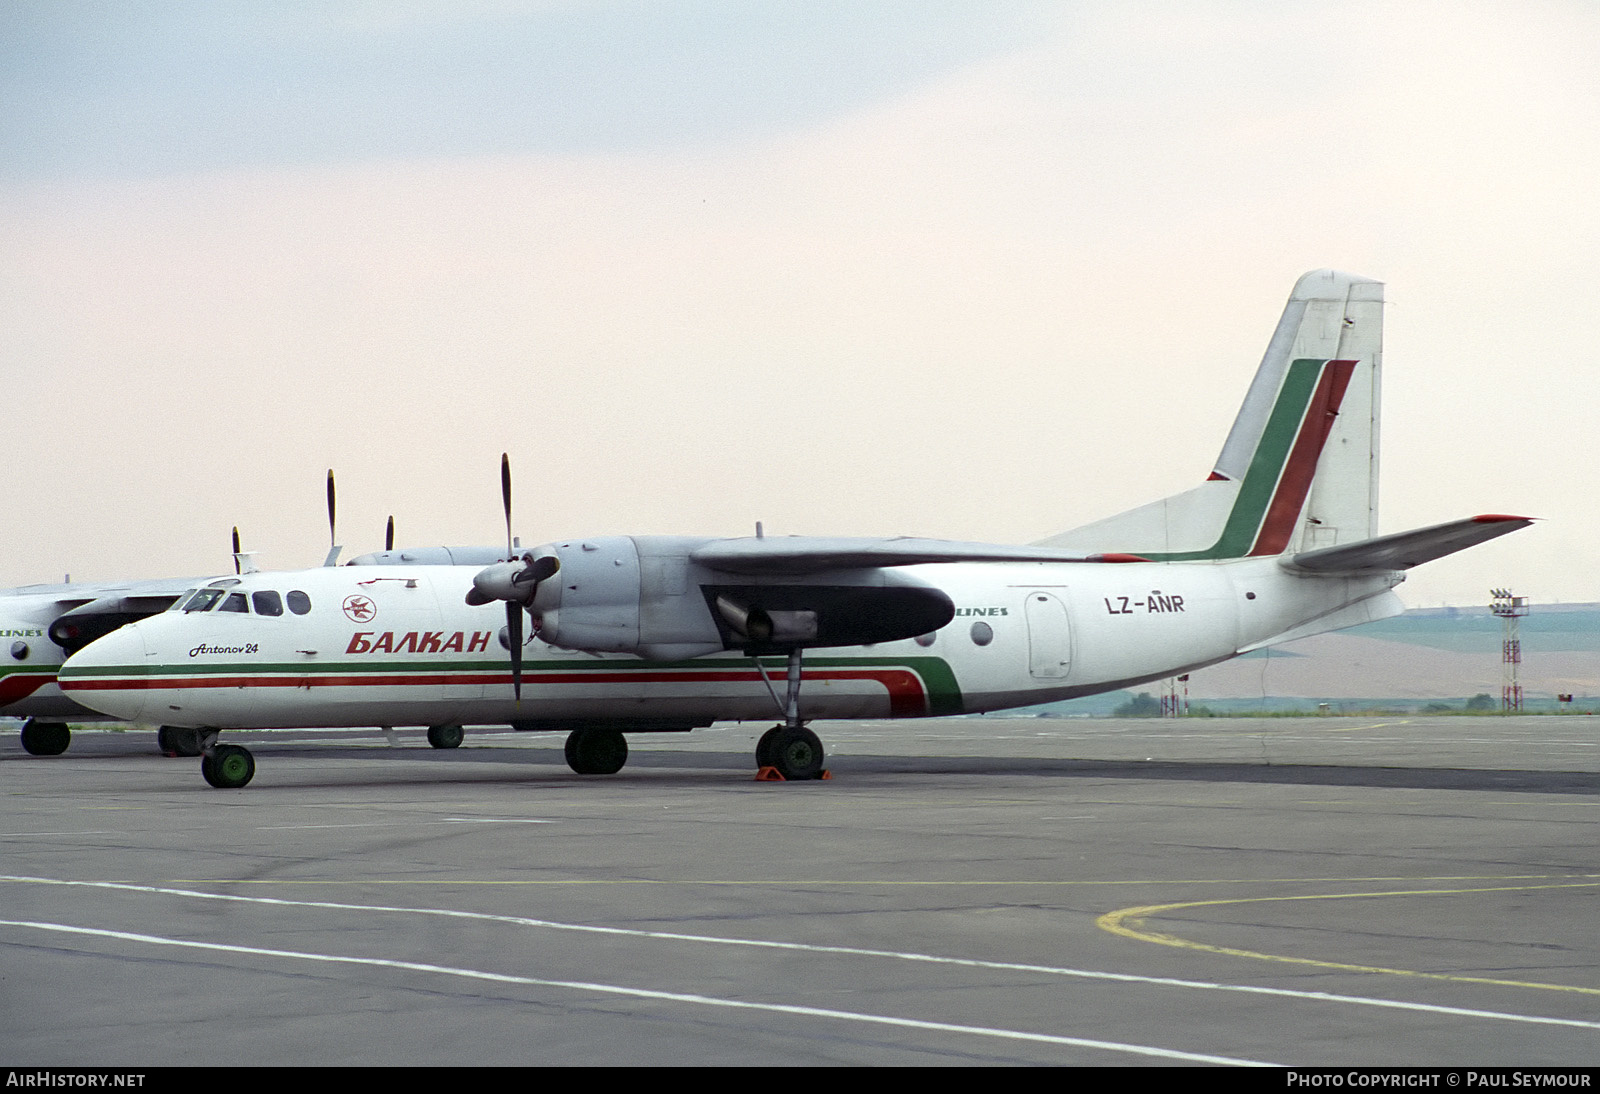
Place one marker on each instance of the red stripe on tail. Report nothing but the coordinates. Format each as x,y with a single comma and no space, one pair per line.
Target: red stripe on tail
1295,482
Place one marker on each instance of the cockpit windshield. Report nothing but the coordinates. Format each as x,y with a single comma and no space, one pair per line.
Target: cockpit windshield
267,602
203,600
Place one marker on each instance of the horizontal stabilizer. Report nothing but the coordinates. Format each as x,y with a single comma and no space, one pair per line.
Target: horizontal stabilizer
1403,550
813,554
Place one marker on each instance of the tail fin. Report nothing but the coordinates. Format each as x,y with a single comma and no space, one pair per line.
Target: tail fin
1299,470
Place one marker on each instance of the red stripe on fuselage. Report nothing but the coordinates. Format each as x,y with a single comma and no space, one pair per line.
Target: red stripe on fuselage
20,685
907,696
1301,467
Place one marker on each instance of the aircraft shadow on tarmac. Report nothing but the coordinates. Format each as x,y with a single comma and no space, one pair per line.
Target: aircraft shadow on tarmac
539,761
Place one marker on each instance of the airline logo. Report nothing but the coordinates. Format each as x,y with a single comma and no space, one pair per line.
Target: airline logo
419,642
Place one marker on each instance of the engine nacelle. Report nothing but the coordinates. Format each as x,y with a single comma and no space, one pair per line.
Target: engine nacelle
75,629
592,602
645,595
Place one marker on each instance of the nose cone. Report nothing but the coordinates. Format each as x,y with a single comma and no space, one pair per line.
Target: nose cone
109,675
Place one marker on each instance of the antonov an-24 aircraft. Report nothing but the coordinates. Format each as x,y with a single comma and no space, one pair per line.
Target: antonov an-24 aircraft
635,634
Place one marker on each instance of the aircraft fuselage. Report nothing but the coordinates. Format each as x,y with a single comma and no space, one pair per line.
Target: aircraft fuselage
376,648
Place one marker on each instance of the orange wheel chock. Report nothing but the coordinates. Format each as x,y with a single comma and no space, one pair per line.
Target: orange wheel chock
773,775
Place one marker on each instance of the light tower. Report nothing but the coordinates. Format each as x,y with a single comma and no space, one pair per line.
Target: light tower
1510,609
1171,705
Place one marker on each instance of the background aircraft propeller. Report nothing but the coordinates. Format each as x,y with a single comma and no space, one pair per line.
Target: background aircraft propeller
333,540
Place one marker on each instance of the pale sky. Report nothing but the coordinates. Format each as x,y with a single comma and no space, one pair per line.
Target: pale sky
981,270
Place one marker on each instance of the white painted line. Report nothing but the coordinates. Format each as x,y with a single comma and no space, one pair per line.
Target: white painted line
850,951
408,824
646,993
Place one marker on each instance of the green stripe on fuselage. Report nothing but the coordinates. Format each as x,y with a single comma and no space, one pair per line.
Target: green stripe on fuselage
1266,468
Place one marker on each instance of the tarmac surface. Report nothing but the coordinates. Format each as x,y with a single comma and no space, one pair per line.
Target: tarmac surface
1315,891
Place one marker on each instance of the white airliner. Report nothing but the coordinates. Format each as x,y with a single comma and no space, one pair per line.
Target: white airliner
635,634
40,625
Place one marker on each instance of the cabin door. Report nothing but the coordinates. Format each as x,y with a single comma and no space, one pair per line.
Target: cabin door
1049,636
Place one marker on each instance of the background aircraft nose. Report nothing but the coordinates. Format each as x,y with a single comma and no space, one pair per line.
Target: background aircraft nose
108,675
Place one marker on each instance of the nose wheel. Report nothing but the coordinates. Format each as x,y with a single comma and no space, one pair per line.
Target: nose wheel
227,767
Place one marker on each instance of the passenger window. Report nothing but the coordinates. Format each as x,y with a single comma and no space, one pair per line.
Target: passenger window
299,602
267,602
235,603
203,600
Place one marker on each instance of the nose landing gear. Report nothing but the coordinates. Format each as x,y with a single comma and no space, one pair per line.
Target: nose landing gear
226,767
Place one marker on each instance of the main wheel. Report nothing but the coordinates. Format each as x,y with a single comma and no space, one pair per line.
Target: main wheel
797,753
445,736
596,751
764,747
178,741
228,767
45,738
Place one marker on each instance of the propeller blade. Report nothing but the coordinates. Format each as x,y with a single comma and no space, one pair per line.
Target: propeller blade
505,495
333,540
514,637
388,537
236,567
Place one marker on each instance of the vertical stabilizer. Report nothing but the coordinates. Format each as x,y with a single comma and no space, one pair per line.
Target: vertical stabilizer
1299,470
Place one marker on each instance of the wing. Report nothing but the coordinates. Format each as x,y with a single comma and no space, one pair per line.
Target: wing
814,554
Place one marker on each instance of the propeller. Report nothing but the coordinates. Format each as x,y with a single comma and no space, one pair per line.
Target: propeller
388,537
241,557
333,546
516,580
513,609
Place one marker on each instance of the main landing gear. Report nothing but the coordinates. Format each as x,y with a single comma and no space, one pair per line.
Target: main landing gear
596,751
445,736
790,750
45,738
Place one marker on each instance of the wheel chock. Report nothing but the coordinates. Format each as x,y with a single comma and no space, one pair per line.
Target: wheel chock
773,775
